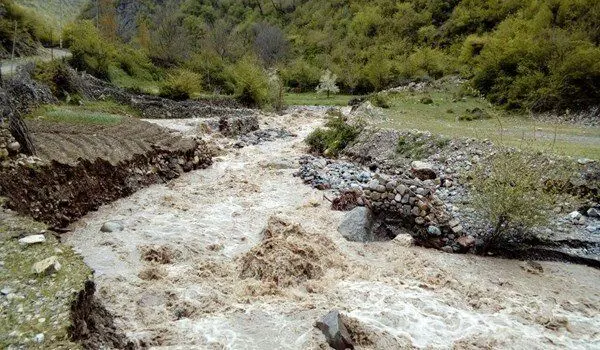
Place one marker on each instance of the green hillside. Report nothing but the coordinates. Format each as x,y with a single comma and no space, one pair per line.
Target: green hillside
56,12
521,54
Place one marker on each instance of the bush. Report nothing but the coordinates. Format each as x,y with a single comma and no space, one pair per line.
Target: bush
105,59
54,74
212,67
333,139
251,83
510,195
379,100
518,65
181,84
90,52
301,76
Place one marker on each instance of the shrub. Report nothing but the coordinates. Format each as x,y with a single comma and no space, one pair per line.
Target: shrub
379,100
251,83
90,52
212,67
181,84
301,76
335,137
509,194
327,84
54,74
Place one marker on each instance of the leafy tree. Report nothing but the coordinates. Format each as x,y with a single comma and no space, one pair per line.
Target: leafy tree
327,84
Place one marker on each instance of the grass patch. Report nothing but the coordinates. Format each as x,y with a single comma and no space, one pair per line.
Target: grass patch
145,86
314,99
419,146
91,112
38,304
408,112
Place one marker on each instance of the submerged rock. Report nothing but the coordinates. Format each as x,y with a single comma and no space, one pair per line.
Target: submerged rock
335,331
112,226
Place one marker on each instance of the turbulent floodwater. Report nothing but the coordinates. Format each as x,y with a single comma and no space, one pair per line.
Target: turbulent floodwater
394,296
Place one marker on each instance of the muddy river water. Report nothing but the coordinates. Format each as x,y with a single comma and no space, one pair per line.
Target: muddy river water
397,296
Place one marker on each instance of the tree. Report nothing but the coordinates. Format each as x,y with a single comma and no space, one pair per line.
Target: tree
511,196
170,40
270,43
107,19
327,84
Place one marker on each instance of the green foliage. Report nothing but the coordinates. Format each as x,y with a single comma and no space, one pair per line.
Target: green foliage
540,62
90,52
301,76
509,193
251,83
380,100
212,67
335,137
54,74
31,30
474,114
98,56
528,54
181,84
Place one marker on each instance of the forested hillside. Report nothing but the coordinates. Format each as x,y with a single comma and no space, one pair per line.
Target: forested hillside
56,13
22,25
533,54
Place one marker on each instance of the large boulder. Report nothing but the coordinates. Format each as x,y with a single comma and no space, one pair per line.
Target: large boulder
357,225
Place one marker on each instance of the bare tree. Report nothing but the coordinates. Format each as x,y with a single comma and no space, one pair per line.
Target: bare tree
170,41
270,43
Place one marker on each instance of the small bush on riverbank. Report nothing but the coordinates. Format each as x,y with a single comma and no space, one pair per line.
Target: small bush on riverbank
251,83
181,84
333,139
509,194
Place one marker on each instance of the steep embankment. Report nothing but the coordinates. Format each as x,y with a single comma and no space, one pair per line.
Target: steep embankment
84,163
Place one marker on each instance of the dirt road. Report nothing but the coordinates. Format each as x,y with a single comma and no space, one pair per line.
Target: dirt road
202,224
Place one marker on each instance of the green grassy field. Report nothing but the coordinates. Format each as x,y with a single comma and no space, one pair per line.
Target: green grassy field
314,99
443,117
96,112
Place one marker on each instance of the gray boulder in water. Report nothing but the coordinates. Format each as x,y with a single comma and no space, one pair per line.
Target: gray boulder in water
335,331
357,225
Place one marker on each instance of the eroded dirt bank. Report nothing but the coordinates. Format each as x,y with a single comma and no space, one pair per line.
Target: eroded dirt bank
177,276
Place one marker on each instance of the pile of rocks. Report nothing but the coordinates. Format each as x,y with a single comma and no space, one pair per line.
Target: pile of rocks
260,136
324,174
413,203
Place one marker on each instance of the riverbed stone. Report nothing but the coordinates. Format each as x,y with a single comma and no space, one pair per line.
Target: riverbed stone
357,225
47,266
335,331
434,231
33,239
112,226
423,170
